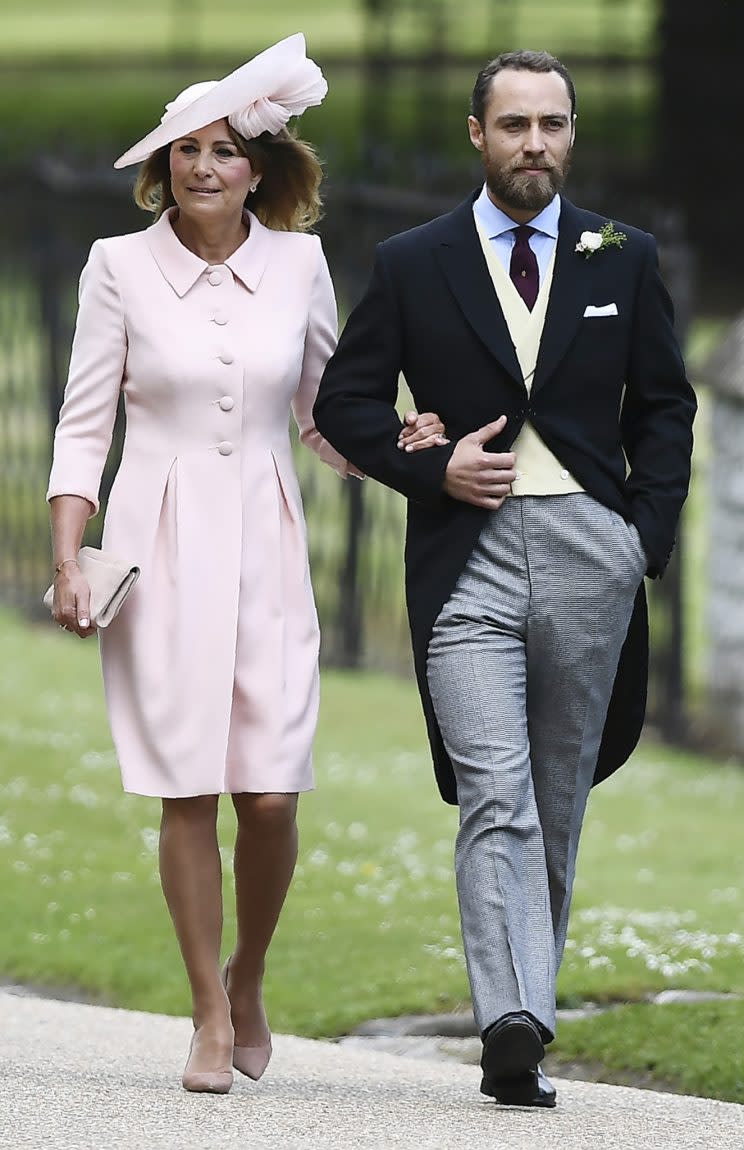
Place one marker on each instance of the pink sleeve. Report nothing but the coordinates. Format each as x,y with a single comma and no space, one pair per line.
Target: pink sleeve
99,349
320,343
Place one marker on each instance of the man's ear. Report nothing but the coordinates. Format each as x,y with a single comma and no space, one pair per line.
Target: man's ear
573,130
475,131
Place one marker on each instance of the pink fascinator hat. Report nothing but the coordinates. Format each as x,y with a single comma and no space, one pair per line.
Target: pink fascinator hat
260,96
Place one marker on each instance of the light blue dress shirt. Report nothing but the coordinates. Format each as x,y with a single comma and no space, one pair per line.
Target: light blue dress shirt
498,227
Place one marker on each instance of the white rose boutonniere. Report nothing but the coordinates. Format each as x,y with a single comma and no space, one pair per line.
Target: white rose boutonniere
607,237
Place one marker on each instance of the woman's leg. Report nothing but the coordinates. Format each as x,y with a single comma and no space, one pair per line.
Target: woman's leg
191,876
265,856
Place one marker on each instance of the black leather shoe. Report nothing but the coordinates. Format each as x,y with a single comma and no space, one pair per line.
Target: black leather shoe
532,1089
512,1047
512,1051
545,1090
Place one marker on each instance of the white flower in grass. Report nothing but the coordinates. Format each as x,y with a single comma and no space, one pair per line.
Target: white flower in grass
84,796
150,837
730,894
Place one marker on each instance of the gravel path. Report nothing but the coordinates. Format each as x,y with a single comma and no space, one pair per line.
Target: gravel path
76,1077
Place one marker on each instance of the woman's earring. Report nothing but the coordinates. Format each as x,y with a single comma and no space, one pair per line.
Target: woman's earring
253,187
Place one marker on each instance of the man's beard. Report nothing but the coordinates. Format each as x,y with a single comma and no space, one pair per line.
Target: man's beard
516,189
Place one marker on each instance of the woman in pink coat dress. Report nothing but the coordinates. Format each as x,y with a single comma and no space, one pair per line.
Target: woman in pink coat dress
213,322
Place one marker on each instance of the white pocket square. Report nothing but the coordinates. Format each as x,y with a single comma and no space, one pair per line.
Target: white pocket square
605,309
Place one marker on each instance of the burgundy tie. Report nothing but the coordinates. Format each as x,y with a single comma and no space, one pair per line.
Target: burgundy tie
523,267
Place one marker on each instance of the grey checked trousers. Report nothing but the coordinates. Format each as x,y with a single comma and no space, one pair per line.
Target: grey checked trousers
521,664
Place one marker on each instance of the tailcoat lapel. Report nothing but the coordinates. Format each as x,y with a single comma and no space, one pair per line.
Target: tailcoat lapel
461,258
569,294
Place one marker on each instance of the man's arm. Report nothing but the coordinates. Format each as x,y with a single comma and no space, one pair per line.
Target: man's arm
355,407
658,412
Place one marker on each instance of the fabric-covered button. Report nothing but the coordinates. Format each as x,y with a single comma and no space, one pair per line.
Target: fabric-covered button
219,318
226,357
225,448
215,278
227,403
564,474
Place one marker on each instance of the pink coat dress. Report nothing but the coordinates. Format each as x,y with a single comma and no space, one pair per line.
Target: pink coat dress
211,668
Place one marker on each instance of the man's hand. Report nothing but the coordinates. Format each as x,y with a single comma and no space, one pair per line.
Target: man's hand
421,431
477,476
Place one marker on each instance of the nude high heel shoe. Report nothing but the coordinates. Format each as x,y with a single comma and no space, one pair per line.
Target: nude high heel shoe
205,1081
249,1060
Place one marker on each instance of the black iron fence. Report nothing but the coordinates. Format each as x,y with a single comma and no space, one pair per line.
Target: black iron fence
355,530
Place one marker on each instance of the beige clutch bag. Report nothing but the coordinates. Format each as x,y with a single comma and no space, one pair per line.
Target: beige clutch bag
110,582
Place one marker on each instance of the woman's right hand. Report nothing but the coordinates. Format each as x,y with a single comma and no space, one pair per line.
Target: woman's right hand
421,430
71,606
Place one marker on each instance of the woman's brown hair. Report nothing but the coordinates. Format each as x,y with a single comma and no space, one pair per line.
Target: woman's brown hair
287,199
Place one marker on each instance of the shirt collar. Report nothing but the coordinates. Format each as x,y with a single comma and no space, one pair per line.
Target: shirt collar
182,268
495,222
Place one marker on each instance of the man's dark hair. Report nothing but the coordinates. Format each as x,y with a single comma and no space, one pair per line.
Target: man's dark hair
522,60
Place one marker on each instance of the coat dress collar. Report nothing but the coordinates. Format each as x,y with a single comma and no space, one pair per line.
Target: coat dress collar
463,262
182,268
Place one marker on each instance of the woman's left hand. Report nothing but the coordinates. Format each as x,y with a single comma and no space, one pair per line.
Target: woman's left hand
421,431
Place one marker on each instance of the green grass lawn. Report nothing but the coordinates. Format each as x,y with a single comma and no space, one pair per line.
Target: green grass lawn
109,28
691,1049
371,924
86,78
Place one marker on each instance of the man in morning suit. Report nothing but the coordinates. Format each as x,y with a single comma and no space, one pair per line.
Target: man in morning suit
543,336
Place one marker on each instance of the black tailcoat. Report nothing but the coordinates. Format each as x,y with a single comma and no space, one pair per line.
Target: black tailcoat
609,397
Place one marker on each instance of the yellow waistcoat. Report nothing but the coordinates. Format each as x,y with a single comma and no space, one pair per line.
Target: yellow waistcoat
538,470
